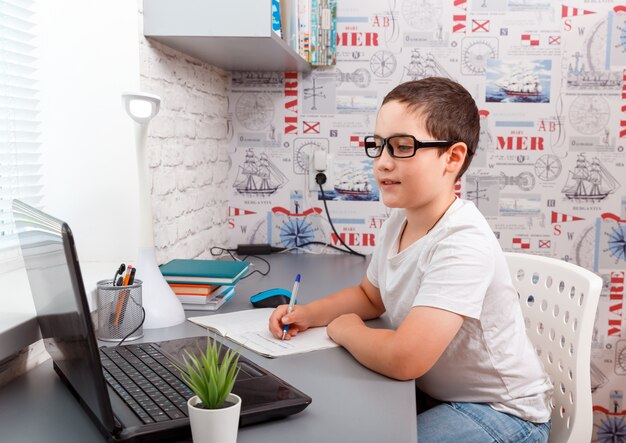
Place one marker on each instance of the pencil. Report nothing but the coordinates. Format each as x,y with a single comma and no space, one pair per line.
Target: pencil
122,297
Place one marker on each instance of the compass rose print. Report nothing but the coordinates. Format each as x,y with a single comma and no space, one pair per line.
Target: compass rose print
616,237
383,64
476,53
295,230
608,427
548,167
255,111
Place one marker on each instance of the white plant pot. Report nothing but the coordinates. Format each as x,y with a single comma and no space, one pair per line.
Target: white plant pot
214,425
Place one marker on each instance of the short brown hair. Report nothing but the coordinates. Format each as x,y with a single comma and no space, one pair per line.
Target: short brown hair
448,109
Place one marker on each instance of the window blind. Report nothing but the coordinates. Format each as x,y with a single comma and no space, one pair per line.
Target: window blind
20,157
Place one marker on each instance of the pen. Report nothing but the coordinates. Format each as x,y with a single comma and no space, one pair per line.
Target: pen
119,272
126,292
122,296
292,301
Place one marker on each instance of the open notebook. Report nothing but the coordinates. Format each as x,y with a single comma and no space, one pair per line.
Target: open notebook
249,329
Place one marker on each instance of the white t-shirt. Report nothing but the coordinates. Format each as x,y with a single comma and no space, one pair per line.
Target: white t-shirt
459,266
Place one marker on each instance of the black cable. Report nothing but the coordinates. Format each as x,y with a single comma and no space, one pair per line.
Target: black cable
321,243
269,267
230,252
319,179
351,251
222,250
143,318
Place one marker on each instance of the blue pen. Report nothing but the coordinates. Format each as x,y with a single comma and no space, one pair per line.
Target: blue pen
292,301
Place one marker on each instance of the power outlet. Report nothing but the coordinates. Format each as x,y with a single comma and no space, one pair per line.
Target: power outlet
321,162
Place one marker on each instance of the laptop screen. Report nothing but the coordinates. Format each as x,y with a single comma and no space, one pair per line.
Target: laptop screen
59,296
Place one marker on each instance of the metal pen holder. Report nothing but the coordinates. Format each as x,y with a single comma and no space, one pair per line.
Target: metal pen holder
119,311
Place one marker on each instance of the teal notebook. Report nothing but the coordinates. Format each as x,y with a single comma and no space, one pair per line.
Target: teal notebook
219,272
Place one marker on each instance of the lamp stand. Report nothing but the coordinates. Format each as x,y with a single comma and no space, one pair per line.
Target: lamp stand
162,307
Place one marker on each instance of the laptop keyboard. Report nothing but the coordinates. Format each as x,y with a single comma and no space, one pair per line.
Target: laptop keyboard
147,381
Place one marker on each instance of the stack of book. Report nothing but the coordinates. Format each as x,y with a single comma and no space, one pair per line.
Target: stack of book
203,284
202,297
310,28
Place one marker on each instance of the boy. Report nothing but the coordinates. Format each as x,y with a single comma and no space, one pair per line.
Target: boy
439,274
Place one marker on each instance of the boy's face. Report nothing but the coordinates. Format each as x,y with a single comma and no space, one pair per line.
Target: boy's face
414,182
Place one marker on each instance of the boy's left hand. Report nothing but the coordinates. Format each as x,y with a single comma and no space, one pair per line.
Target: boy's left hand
337,328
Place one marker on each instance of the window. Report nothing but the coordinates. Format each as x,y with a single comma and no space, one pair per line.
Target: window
20,157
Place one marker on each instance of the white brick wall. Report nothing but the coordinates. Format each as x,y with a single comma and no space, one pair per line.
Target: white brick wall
187,149
189,162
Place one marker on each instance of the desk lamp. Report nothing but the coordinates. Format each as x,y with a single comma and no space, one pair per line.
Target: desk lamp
162,307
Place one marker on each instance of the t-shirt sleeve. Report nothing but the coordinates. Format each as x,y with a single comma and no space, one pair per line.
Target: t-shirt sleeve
458,273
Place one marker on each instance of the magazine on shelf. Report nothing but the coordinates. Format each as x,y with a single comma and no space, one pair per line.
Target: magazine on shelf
304,29
276,17
323,38
309,27
289,22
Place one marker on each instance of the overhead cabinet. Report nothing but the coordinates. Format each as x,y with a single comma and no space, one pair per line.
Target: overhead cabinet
235,35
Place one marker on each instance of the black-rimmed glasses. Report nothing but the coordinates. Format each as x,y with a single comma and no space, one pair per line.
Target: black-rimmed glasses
400,146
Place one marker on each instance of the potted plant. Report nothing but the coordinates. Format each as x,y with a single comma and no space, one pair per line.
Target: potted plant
214,410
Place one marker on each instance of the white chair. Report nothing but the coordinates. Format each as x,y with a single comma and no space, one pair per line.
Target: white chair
559,302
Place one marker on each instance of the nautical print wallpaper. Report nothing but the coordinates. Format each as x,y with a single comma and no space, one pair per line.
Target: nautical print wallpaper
549,78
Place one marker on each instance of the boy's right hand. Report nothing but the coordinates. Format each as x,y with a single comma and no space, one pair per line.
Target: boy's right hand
298,320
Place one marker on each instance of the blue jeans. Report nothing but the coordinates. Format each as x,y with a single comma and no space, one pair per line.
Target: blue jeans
475,422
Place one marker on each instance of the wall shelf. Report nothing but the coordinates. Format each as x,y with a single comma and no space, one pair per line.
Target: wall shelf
235,35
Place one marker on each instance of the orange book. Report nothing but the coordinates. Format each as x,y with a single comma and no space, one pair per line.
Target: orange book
191,289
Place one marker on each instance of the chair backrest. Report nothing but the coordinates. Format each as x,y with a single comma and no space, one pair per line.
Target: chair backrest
559,302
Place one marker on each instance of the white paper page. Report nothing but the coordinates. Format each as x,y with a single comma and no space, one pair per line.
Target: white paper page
250,329
235,322
264,342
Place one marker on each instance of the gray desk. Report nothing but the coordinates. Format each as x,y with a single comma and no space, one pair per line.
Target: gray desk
350,402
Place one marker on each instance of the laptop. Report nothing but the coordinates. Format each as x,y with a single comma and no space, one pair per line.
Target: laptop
132,392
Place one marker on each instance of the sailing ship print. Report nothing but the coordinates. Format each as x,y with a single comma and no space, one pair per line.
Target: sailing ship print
421,66
521,82
518,82
353,182
589,181
258,176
